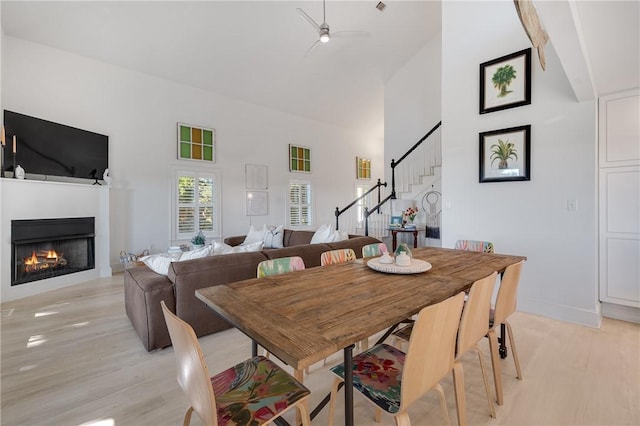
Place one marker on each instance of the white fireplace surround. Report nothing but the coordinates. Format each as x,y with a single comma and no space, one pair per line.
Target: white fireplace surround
29,199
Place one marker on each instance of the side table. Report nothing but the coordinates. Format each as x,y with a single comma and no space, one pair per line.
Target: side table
394,236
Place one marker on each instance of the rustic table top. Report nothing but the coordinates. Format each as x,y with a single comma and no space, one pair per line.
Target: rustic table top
303,317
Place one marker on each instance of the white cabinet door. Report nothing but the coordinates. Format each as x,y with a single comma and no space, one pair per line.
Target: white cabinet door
619,198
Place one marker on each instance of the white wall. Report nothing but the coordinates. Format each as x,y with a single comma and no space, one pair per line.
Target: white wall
525,218
139,113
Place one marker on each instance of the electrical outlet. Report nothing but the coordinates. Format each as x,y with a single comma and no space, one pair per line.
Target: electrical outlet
572,205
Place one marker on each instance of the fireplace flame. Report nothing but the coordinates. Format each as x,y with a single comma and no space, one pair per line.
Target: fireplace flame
51,254
33,260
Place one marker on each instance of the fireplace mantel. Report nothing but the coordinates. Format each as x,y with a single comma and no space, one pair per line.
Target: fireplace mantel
29,199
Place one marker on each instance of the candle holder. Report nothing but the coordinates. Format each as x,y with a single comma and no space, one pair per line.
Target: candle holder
14,165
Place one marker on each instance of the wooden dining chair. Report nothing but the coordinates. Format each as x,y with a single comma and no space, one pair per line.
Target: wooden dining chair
472,245
373,250
253,392
280,265
337,256
473,327
393,380
506,303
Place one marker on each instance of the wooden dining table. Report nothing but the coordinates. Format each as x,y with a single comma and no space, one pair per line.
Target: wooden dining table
305,316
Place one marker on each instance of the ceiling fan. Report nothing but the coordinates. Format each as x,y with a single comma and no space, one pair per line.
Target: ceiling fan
323,30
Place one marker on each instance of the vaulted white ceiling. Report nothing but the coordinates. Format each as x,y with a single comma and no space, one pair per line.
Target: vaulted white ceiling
251,50
255,50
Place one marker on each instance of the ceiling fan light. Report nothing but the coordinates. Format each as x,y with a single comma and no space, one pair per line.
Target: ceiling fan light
324,38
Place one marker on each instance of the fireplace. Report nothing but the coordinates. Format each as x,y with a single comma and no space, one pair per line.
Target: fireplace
47,248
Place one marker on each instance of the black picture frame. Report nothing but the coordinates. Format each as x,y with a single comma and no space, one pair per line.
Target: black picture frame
505,82
511,148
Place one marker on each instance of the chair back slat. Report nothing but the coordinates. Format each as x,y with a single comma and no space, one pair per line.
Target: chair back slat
472,245
280,266
506,301
430,355
193,375
337,256
373,250
474,324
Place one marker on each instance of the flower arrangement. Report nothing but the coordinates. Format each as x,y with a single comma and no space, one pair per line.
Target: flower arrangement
198,239
410,214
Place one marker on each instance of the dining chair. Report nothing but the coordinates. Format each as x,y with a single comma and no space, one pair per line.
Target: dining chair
337,256
280,265
373,250
506,302
253,392
472,245
473,327
393,380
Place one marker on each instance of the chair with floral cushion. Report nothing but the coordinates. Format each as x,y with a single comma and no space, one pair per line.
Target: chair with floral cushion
473,328
253,392
506,302
337,256
373,250
280,266
393,380
477,246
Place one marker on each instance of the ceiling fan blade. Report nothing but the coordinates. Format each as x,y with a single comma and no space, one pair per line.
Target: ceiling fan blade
308,18
312,47
350,34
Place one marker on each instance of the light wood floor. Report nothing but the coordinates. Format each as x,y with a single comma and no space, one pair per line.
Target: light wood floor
71,357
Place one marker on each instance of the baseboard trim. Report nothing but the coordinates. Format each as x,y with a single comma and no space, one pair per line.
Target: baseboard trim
621,312
589,318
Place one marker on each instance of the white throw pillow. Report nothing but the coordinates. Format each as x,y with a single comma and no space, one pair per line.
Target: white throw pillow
338,236
274,237
196,254
322,235
254,235
221,248
158,263
257,246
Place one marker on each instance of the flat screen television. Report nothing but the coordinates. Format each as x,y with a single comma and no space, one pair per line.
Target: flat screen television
51,149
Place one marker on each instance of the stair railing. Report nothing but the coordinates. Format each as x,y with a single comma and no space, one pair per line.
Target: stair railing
338,212
392,196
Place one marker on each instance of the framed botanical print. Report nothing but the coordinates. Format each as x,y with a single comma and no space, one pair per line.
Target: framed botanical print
505,154
505,82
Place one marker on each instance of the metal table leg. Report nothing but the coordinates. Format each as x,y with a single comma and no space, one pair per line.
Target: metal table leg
348,385
503,341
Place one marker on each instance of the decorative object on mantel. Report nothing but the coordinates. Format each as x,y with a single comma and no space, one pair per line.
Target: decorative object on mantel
106,177
505,82
299,159
531,24
196,143
14,158
19,173
510,148
198,240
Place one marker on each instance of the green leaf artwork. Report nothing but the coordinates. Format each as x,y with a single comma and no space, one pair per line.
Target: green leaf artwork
502,78
503,151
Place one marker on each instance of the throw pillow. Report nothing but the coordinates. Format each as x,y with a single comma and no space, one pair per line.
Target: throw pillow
338,236
221,248
254,235
274,237
158,263
196,254
322,235
257,246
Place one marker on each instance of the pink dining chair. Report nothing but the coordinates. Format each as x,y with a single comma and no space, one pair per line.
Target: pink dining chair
337,256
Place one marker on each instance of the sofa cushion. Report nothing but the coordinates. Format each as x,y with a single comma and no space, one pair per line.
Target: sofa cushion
274,237
324,234
297,238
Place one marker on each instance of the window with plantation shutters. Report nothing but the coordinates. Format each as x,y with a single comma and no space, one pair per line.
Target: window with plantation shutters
299,204
197,204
